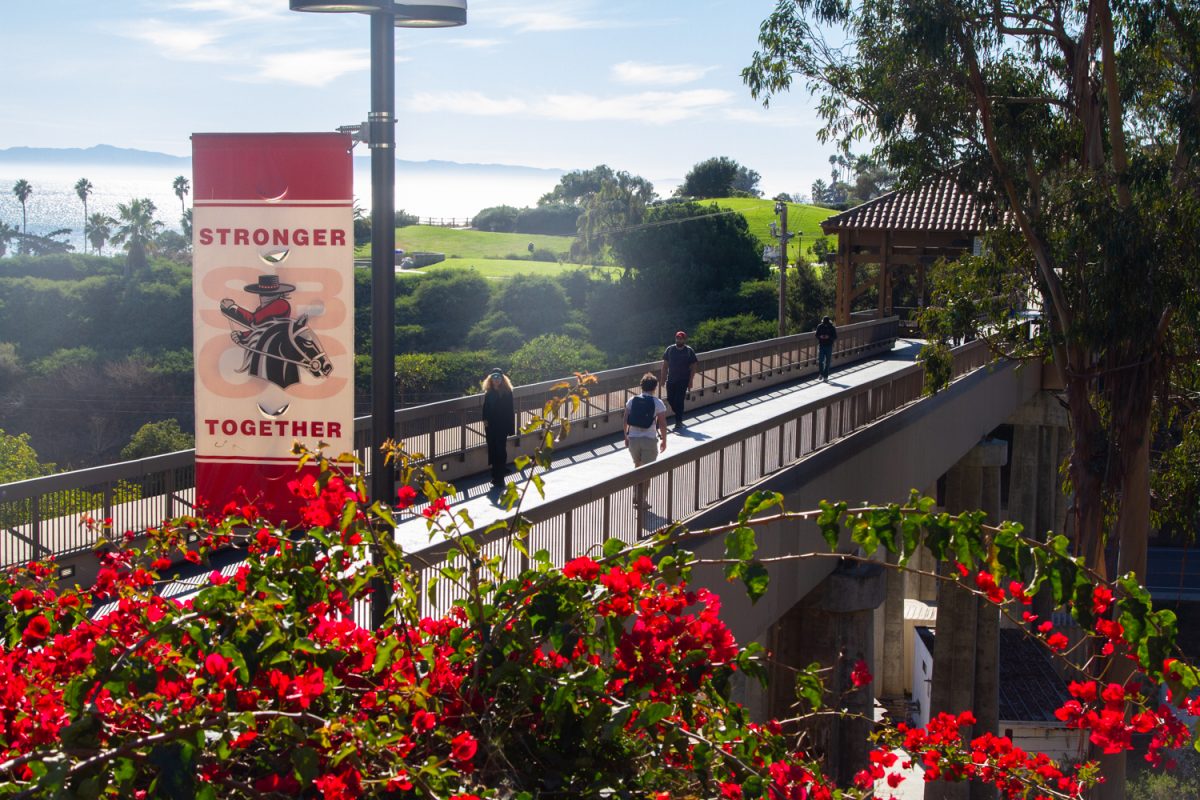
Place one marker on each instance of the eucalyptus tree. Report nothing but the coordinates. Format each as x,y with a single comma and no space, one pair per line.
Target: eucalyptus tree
1078,124
136,229
182,187
98,230
83,188
22,189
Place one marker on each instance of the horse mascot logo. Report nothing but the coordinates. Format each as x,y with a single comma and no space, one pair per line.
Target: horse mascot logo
276,346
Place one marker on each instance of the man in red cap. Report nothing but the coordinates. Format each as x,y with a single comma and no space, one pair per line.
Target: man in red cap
678,370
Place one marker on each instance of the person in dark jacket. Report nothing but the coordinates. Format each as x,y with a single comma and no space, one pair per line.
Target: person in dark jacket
498,422
826,336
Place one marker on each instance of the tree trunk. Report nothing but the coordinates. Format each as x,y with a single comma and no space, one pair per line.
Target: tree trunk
1133,530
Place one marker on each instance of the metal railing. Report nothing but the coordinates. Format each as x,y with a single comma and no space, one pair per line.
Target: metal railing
44,516
682,484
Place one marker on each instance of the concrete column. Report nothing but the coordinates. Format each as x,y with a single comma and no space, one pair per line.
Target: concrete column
1041,443
892,683
987,633
923,587
956,640
832,625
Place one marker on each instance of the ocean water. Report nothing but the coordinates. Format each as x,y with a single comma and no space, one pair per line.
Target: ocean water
454,191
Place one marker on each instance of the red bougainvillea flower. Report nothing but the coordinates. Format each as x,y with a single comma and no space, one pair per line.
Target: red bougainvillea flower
1057,642
436,507
861,675
406,496
23,599
423,720
582,568
731,791
463,747
192,556
1102,598
36,631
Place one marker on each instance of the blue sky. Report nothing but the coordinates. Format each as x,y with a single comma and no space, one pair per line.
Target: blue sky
648,86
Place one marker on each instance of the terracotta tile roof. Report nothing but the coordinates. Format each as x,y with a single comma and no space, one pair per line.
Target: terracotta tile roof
935,206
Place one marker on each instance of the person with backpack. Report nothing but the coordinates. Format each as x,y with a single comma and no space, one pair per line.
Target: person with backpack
826,336
645,420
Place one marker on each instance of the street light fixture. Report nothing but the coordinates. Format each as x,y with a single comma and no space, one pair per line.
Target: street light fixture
381,138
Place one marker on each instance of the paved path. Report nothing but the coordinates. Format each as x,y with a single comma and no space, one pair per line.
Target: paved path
576,468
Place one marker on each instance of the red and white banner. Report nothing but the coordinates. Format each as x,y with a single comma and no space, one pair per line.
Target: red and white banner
272,308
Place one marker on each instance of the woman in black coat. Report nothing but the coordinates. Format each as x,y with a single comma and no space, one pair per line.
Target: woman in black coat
498,422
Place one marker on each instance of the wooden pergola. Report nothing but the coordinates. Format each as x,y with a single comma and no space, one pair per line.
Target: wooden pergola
902,231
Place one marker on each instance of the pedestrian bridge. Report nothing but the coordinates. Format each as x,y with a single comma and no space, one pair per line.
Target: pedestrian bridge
757,417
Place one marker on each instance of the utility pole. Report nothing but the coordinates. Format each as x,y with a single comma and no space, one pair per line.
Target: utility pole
781,208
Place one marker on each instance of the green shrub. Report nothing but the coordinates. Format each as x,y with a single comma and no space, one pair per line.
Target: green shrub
497,219
552,356
508,339
713,334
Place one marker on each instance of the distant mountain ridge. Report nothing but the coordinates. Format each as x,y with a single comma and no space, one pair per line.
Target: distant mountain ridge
123,156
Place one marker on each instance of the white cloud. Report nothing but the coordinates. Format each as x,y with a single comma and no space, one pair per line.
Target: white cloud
475,44
773,117
312,67
236,10
473,103
637,72
655,108
191,43
551,16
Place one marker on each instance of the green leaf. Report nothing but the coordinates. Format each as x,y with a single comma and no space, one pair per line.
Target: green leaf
827,521
654,714
756,580
758,501
810,687
740,543
612,547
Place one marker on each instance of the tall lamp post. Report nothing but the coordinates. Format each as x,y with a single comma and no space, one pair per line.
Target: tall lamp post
381,138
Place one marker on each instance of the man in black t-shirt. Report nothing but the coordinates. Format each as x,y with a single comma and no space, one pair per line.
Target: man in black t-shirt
678,370
826,336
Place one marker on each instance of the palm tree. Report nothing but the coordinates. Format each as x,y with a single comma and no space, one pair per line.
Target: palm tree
137,229
22,189
98,230
182,187
7,234
83,188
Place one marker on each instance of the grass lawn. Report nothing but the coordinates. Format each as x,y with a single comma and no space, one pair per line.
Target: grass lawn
460,243
506,268
802,219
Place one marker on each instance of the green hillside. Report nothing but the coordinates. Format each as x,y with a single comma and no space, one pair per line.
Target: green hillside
490,252
802,219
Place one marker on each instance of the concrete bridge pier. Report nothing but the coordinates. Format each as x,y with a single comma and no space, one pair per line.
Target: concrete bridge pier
1041,443
834,626
966,654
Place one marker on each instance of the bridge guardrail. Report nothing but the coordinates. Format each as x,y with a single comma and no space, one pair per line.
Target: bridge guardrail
42,516
682,484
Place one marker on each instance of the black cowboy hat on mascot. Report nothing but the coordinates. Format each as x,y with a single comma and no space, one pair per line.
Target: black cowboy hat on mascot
269,284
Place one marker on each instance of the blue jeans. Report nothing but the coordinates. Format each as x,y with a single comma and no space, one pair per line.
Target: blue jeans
824,358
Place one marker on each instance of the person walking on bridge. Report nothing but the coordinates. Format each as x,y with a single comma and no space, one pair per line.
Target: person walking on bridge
826,336
678,370
498,423
645,421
